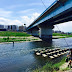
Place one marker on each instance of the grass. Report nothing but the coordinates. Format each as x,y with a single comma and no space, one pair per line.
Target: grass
49,67
16,39
9,33
59,34
60,63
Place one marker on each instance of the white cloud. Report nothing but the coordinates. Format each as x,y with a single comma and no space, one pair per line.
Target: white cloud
5,21
28,20
23,19
4,13
66,27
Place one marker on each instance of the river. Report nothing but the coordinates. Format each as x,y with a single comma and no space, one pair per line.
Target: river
21,57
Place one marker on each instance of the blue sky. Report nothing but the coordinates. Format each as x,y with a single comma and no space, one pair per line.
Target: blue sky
18,12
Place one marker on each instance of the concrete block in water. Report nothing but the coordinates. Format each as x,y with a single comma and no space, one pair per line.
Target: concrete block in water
62,53
51,57
55,55
42,52
59,54
65,52
44,55
38,54
36,50
46,50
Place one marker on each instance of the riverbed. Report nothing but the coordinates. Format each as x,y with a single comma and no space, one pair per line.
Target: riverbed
20,57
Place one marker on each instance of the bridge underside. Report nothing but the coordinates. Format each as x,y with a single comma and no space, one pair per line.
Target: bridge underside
60,18
45,25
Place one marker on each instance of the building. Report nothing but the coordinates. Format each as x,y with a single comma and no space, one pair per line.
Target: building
12,27
1,26
22,28
57,32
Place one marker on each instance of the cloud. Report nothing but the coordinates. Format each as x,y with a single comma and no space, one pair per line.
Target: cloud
28,20
66,27
4,13
5,21
23,19
26,11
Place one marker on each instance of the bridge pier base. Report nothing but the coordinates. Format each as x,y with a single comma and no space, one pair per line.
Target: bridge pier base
29,32
35,32
46,33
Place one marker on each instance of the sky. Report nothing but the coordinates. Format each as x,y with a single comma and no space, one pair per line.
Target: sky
19,12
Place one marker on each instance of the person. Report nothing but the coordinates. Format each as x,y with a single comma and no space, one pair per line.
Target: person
67,59
13,43
70,54
70,63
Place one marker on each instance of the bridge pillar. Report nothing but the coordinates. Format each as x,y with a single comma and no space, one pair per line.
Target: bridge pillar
35,32
46,33
29,32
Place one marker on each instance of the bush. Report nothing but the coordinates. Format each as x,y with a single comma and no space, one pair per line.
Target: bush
4,38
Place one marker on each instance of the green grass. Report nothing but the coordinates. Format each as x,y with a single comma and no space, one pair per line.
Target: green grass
60,63
49,67
59,34
9,33
16,39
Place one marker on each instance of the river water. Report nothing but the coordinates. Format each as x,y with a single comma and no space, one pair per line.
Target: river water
21,57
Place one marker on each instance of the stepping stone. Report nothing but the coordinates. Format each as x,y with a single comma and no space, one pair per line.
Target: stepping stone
65,52
44,55
46,50
62,53
36,50
48,53
59,54
43,49
38,54
55,55
51,57
42,52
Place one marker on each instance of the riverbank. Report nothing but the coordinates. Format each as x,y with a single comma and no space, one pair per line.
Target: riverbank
12,39
9,37
57,67
59,35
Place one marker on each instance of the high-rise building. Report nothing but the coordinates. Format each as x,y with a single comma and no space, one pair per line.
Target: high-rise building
1,26
22,28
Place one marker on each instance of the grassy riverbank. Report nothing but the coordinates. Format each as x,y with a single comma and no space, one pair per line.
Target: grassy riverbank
9,33
62,35
8,36
49,67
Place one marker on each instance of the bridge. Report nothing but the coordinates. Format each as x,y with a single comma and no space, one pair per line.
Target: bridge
58,12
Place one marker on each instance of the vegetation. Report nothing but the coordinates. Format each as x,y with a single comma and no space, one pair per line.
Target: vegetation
9,36
9,33
49,67
59,34
15,39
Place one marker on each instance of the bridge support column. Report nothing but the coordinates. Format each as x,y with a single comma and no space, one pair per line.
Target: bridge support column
46,33
35,32
29,32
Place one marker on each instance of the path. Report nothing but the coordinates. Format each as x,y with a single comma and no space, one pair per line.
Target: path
65,65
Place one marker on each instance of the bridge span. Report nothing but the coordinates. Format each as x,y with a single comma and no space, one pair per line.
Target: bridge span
58,12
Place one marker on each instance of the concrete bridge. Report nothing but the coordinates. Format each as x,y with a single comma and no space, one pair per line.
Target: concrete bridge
58,12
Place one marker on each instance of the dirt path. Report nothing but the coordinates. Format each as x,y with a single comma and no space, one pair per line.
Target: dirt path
64,66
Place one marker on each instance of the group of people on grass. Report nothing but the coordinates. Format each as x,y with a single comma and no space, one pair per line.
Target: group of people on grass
69,58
